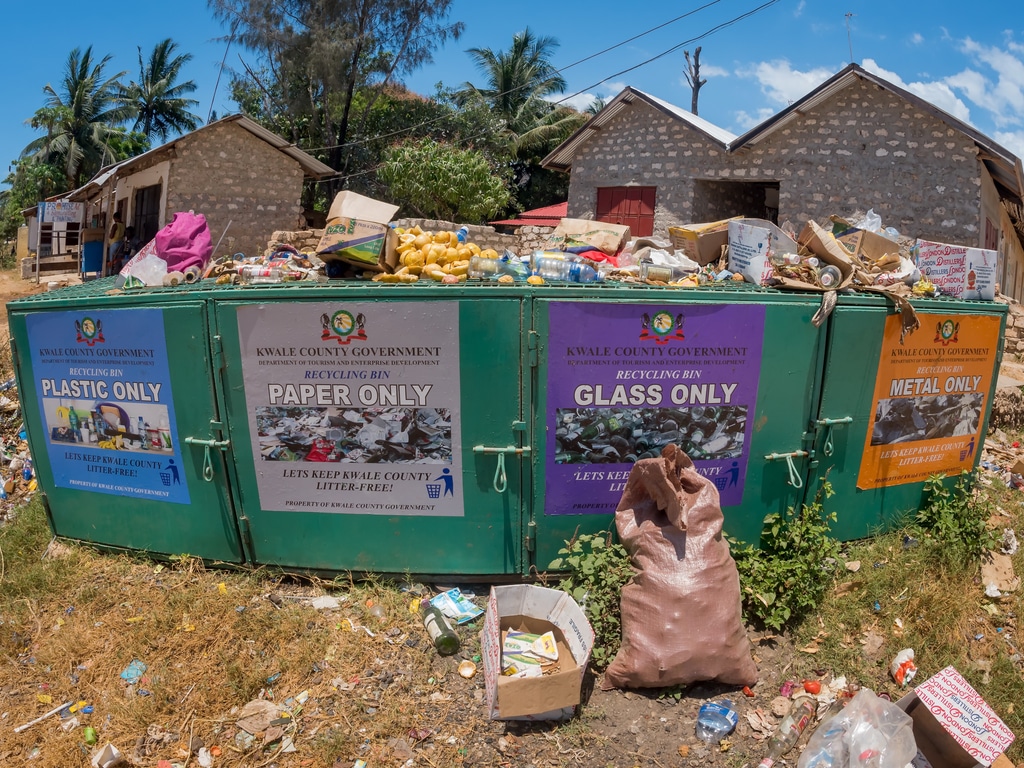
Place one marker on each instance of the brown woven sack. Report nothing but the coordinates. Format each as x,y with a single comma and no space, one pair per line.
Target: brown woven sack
681,619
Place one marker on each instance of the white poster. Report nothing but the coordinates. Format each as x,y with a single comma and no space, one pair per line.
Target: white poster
354,407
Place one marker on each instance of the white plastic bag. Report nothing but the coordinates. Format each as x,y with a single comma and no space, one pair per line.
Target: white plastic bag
868,731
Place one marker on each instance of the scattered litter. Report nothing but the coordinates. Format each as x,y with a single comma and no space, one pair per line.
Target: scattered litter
456,606
853,566
353,627
40,719
326,603
257,715
1009,544
467,669
902,667
108,757
134,672
991,590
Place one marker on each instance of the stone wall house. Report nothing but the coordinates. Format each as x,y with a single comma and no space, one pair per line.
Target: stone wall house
244,179
857,142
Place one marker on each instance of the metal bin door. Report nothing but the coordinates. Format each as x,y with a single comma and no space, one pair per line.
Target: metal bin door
110,398
731,376
377,435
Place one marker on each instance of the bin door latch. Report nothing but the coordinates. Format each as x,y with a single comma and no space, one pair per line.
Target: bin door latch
794,477
500,478
828,448
207,460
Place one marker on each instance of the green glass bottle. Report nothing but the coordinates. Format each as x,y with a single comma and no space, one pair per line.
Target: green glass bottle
441,633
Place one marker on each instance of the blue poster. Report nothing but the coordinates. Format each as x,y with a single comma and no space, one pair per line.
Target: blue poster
104,391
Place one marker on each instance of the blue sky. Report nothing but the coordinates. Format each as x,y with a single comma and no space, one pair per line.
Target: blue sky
966,58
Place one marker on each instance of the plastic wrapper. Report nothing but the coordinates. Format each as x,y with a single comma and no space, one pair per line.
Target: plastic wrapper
681,620
869,732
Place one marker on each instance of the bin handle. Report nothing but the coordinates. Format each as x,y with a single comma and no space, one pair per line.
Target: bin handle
500,476
794,477
207,459
829,446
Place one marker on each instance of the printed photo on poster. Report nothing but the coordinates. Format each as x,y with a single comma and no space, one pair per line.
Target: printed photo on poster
613,436
365,436
908,419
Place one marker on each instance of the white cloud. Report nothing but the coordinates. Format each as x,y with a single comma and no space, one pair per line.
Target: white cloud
1012,140
745,121
917,38
582,101
936,92
712,71
1005,99
800,8
783,84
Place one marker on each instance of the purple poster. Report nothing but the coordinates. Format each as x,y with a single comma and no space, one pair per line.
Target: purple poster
624,380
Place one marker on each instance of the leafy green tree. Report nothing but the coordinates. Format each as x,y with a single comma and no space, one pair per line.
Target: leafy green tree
316,55
161,102
519,85
28,183
438,181
79,118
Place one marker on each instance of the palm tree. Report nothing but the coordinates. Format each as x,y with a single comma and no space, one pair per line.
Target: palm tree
519,82
163,108
79,119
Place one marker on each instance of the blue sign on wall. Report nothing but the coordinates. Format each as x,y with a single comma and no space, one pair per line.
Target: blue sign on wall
104,391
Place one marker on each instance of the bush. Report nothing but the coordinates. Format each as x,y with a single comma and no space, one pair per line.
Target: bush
791,572
598,569
956,521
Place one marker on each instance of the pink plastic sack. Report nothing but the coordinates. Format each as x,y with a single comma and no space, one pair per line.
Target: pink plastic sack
185,242
681,618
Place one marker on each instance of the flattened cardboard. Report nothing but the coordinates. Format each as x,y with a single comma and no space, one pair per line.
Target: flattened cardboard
822,244
357,232
959,271
530,608
702,242
575,233
953,726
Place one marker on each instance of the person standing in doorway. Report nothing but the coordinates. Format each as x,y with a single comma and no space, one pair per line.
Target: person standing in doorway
116,237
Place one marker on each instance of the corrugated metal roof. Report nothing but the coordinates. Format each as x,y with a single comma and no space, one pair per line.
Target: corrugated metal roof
562,156
546,216
311,167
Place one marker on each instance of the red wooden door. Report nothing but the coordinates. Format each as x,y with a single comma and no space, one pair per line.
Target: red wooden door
632,206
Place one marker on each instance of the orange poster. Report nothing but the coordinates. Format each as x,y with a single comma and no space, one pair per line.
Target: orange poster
930,399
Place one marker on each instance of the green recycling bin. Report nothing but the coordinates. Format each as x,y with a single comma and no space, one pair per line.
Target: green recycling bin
117,398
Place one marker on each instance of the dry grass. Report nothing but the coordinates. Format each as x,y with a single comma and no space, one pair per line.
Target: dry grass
211,642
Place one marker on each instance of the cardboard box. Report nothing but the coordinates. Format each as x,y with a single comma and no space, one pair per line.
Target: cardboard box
357,232
958,271
702,242
535,609
576,233
953,726
752,242
862,243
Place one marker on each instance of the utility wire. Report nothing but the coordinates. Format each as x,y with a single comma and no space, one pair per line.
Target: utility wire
555,72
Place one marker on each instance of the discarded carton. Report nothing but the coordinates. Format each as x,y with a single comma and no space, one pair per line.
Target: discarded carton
357,232
958,271
576,233
108,757
528,608
953,726
752,243
702,242
823,245
863,243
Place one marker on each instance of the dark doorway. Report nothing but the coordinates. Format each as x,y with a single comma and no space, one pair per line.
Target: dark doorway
717,200
147,212
631,206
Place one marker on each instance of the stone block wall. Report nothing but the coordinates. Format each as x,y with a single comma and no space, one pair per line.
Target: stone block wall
865,147
1013,341
229,175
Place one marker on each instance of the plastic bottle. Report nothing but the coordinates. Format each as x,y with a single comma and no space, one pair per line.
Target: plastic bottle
142,433
552,268
75,425
255,274
462,234
26,470
492,269
829,276
788,733
441,633
715,720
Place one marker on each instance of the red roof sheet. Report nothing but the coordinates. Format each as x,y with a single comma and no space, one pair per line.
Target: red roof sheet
548,216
